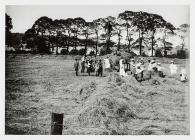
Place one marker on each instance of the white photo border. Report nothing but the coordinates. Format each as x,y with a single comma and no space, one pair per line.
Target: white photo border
3,3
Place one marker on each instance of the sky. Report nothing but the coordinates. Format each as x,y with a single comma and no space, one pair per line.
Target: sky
24,16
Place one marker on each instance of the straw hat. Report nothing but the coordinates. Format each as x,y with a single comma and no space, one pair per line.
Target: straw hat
152,61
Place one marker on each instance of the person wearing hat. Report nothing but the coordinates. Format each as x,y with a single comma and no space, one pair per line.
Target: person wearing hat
173,68
76,66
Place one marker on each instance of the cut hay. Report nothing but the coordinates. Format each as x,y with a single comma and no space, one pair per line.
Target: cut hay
110,105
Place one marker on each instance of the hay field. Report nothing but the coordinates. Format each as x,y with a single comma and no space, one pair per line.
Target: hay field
37,85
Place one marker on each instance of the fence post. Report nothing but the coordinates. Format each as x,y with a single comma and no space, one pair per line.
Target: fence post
56,123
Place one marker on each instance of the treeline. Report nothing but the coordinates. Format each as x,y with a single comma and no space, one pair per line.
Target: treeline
47,34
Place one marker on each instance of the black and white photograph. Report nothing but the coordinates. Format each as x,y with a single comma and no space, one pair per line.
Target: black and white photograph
97,69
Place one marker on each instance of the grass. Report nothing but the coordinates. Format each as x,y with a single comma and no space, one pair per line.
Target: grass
37,85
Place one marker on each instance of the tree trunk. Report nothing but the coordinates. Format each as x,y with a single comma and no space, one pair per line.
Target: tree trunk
52,48
75,44
153,43
140,43
119,42
108,42
86,48
57,50
96,46
67,46
127,32
129,45
129,40
68,41
164,42
183,44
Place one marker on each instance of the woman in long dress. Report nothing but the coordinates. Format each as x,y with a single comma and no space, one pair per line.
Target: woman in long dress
107,63
173,68
122,68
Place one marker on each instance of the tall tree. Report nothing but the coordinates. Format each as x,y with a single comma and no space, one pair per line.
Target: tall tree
118,31
168,31
78,24
69,24
154,22
140,21
183,32
109,28
42,27
8,27
127,17
30,39
60,29
87,30
98,26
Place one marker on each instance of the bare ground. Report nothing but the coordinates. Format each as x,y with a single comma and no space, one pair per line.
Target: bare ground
37,85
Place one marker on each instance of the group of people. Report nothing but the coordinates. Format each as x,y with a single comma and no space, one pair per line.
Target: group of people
89,65
151,67
137,68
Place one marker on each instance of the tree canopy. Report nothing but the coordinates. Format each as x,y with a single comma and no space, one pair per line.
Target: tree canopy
139,28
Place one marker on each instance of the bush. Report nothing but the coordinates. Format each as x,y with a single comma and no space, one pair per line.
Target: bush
182,54
74,52
81,51
42,46
104,51
144,54
64,51
172,56
158,53
92,53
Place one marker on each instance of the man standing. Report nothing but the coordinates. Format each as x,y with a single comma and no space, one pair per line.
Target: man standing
96,67
100,68
132,66
140,67
76,66
83,64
